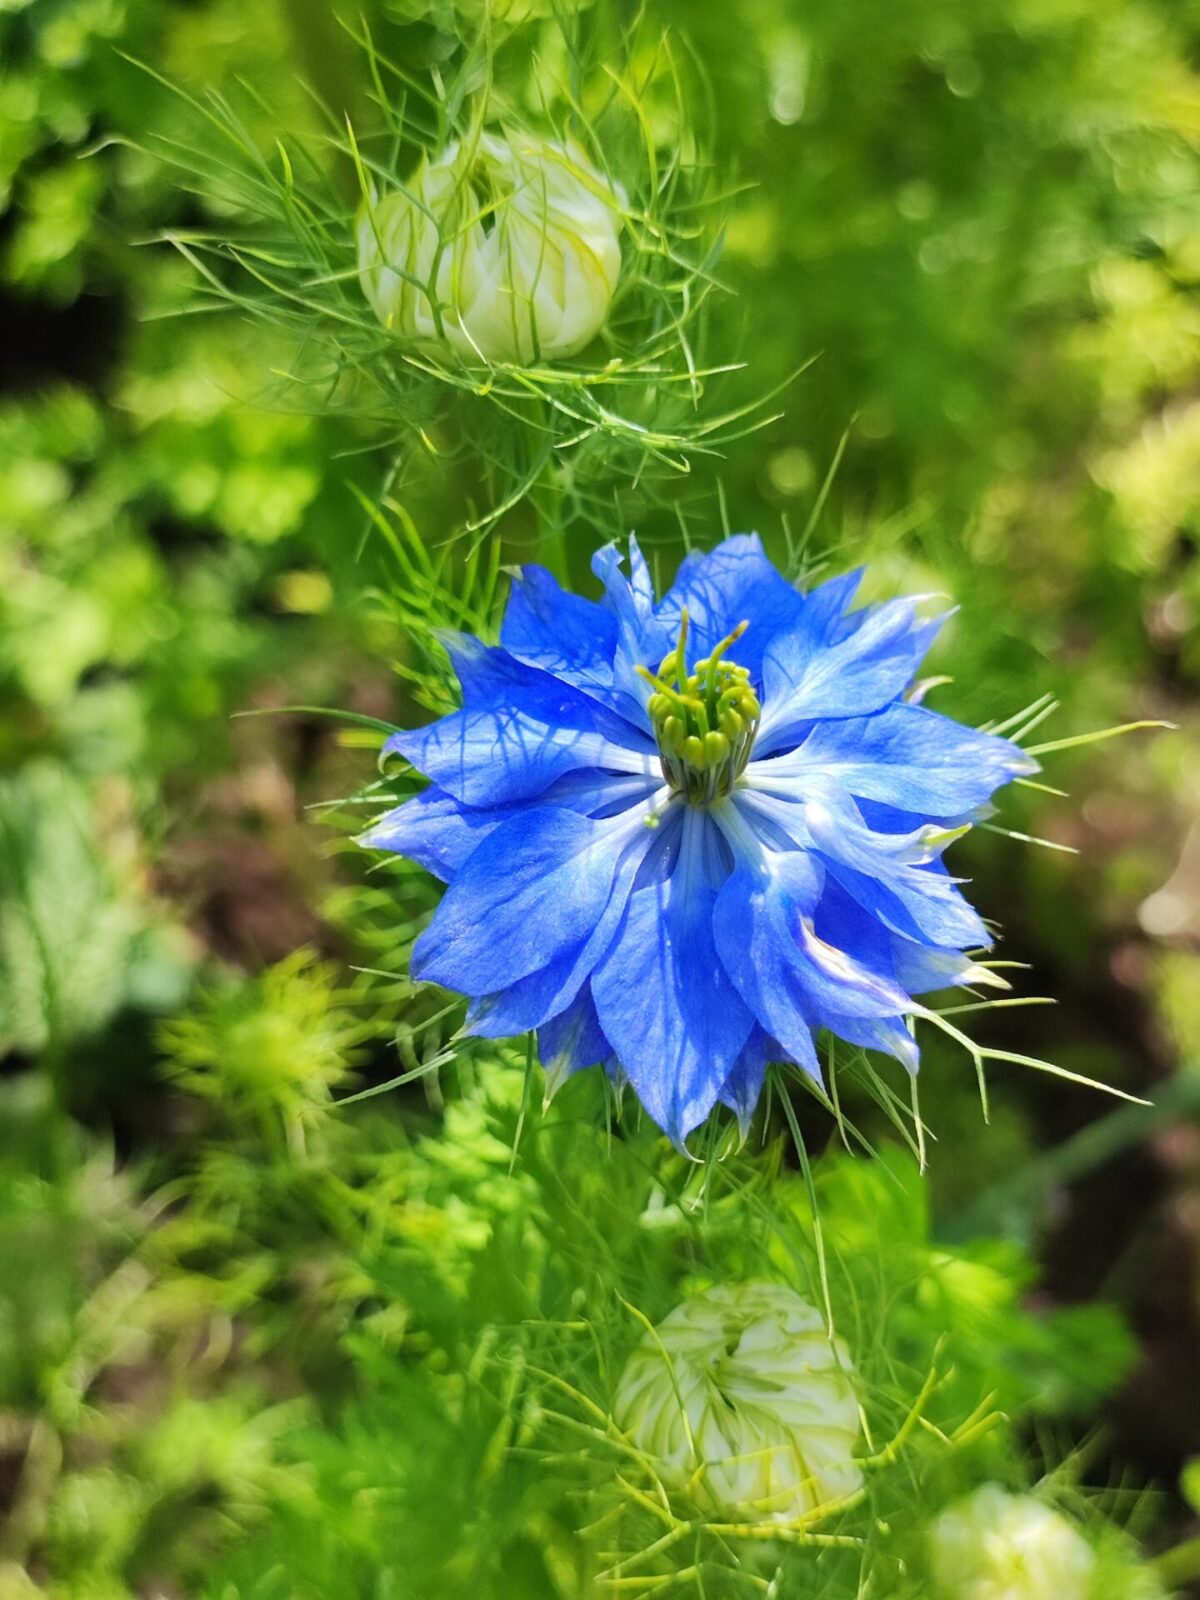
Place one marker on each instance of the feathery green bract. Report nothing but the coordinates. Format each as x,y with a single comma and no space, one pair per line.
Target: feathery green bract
627,415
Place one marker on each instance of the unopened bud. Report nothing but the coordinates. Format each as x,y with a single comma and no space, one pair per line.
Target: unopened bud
505,247
741,1398
1000,1546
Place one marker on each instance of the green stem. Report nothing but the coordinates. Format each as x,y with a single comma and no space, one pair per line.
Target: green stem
578,552
322,51
568,553
1180,1565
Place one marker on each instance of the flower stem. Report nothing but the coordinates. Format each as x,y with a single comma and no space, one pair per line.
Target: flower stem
1180,1565
320,48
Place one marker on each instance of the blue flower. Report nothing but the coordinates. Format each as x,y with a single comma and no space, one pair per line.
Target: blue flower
682,836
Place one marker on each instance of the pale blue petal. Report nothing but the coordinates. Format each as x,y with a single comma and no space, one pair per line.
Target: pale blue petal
641,636
753,939
836,982
918,900
825,607
440,833
786,973
904,756
896,876
922,970
435,830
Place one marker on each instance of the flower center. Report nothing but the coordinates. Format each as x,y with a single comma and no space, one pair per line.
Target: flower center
704,720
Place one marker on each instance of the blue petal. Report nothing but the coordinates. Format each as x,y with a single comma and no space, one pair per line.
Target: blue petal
433,829
887,819
490,674
641,636
582,642
904,756
845,924
572,1040
540,996
825,607
840,921
803,683
532,890
731,584
560,632
886,1034
663,998
920,901
785,972
530,730
836,982
753,939
478,668
440,833
741,1089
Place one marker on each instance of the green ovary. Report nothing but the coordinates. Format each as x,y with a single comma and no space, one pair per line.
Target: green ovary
704,720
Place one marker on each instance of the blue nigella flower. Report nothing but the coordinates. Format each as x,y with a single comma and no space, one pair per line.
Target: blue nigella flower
682,836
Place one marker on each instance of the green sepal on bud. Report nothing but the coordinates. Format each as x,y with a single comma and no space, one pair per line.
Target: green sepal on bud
705,721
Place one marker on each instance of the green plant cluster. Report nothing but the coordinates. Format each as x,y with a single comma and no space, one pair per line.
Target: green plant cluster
301,1296
352,1358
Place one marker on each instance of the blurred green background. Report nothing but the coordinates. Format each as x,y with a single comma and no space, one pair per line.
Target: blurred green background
984,224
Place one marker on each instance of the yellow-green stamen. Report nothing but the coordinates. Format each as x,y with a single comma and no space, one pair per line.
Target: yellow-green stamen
705,720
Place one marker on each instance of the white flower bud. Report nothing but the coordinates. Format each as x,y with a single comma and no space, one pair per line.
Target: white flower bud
742,1398
507,248
1000,1546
